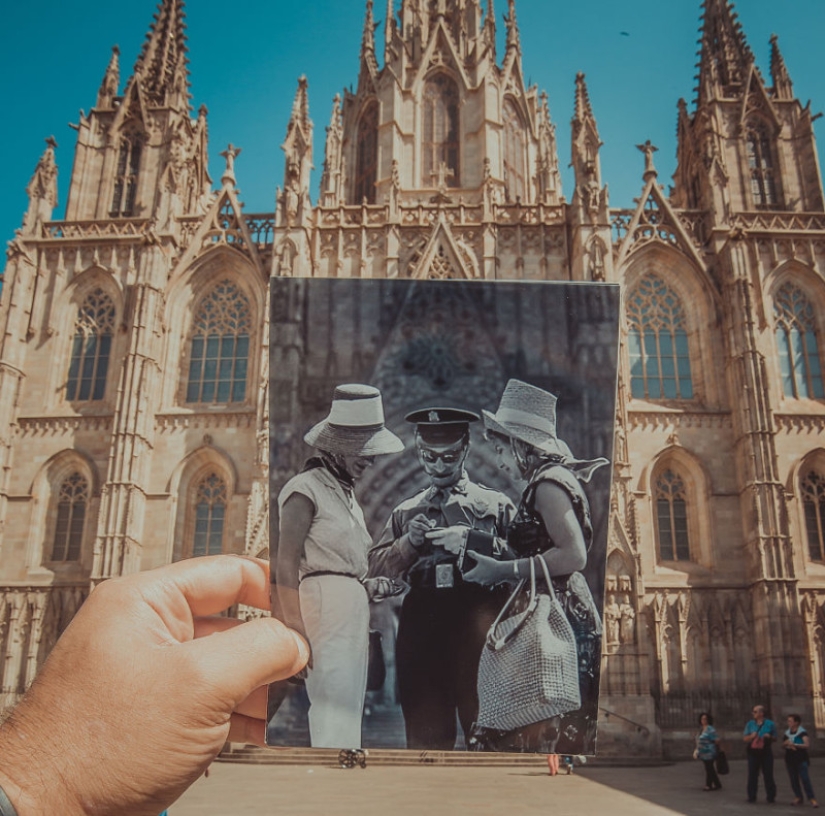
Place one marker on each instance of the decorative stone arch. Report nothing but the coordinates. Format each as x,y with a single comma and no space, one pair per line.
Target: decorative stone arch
698,488
62,327
802,278
806,484
45,493
696,292
183,486
364,152
515,149
452,156
183,299
761,161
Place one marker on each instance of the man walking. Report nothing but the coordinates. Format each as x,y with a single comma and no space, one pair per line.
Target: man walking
444,620
759,736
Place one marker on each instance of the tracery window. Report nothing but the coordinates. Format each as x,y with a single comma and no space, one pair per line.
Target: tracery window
91,348
439,143
798,344
72,501
671,517
813,501
126,178
658,343
220,347
210,514
760,163
366,162
515,185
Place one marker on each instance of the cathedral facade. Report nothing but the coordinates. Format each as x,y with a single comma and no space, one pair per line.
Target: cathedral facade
134,373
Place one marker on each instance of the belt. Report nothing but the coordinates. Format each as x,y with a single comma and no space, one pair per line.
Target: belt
329,572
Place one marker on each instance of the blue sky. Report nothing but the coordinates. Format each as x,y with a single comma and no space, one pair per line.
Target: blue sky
245,60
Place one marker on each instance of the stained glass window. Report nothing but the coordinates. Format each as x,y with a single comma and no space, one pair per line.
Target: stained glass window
366,164
658,343
126,180
514,158
760,163
813,500
671,517
91,347
210,514
220,347
798,345
439,144
71,515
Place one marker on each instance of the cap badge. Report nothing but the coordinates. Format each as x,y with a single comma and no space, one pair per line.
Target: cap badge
433,417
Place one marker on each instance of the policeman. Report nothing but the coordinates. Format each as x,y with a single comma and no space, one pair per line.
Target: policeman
443,621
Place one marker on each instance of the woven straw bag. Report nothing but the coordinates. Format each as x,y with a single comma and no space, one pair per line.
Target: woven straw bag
529,668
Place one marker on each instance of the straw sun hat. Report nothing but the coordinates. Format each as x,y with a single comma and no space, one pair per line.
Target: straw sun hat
355,425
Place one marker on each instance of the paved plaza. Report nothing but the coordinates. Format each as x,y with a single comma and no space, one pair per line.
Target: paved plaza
243,790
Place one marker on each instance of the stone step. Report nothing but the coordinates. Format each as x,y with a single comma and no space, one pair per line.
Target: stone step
323,757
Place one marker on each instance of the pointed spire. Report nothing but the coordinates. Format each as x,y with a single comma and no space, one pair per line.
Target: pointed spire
724,56
389,26
331,180
111,81
368,58
162,62
782,85
293,204
42,190
583,110
513,39
300,107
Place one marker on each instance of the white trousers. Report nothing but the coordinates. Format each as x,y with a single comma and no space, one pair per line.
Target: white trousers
336,616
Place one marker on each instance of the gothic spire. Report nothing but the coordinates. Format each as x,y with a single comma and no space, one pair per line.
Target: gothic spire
294,202
111,81
513,39
724,55
42,190
331,180
389,28
782,85
582,111
368,59
162,62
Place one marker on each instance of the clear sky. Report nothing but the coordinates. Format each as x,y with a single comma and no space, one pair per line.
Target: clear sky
639,57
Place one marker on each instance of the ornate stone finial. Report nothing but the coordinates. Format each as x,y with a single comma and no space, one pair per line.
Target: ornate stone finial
513,40
782,84
111,81
648,148
230,154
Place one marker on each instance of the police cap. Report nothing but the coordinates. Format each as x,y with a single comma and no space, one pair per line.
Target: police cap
442,426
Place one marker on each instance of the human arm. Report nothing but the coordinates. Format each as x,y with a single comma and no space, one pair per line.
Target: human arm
296,518
749,734
134,701
397,549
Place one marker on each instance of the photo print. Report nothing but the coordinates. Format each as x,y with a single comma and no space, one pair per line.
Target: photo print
440,469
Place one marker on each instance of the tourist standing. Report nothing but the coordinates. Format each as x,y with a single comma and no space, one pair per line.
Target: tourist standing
796,743
759,736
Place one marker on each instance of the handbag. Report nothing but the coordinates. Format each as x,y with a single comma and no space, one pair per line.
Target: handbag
529,667
376,665
722,767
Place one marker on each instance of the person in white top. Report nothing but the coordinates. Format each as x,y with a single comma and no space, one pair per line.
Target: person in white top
321,561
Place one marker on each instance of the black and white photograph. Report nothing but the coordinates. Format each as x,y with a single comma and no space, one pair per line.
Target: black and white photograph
440,470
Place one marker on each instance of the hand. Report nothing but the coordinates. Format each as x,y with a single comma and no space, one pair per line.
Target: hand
417,528
452,539
135,701
380,588
488,571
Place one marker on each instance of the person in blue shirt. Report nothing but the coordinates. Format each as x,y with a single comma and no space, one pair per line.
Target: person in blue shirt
796,744
759,735
707,747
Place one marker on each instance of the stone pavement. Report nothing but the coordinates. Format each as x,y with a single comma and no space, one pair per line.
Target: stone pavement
243,790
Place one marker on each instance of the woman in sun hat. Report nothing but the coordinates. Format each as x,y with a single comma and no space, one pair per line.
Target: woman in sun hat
321,562
553,523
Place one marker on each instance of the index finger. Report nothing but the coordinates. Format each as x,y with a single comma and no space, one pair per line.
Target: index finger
209,584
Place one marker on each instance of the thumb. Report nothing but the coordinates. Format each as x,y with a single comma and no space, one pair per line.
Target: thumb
239,660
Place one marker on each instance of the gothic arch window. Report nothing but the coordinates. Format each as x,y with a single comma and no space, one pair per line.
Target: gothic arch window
366,160
796,337
515,177
91,348
658,343
219,350
440,136
72,501
672,517
210,515
761,167
126,177
813,502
